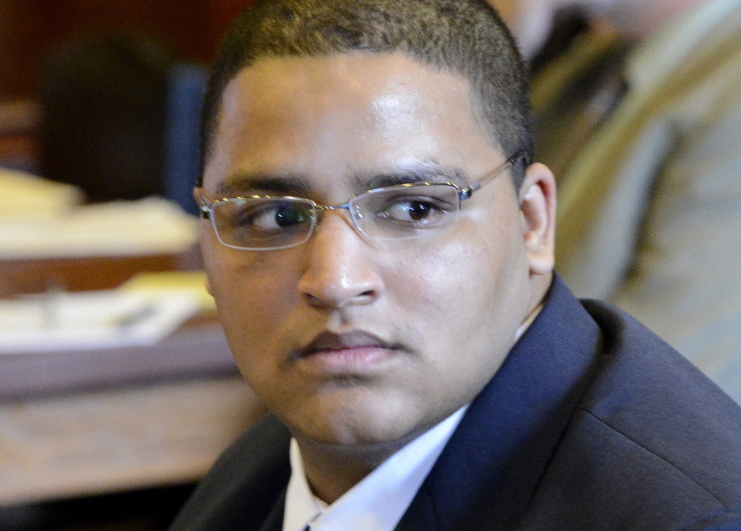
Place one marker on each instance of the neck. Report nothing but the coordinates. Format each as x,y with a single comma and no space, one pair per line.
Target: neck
332,470
541,285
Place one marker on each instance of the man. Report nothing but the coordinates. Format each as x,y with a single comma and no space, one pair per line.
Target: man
659,170
424,367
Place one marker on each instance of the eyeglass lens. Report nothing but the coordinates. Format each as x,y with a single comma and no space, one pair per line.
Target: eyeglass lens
398,212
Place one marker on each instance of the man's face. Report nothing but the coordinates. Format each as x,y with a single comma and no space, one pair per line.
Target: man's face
350,340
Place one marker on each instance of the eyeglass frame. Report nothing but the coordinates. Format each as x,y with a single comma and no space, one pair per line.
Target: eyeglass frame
207,203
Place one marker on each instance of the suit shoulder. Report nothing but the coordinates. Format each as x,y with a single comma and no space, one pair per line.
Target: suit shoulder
244,484
652,445
655,423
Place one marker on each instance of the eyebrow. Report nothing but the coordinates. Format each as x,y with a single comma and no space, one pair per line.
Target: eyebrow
245,183
427,173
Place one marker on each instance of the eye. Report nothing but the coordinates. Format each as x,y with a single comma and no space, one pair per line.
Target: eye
413,210
418,211
271,216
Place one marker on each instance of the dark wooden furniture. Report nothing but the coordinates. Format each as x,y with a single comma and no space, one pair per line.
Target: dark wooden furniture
30,29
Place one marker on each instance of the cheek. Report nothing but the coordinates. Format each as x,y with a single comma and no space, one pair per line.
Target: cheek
441,284
456,289
253,298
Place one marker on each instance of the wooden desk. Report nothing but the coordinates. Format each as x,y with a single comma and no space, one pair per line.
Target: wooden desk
74,423
118,439
71,428
85,274
196,350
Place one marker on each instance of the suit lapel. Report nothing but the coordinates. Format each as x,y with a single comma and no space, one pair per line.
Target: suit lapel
420,516
274,521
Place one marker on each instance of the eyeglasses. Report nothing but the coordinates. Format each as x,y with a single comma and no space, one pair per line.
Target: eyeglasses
399,212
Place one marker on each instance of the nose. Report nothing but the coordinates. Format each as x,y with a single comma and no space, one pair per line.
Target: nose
340,270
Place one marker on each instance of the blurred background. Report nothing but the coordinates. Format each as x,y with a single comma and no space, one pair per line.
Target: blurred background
106,84
117,390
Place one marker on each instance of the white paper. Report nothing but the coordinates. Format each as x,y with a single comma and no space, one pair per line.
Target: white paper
27,196
119,228
54,322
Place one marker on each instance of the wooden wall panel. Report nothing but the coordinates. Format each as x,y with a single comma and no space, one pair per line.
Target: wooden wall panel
29,29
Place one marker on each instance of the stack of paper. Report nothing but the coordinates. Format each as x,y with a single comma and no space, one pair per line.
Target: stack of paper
54,322
143,311
119,228
27,196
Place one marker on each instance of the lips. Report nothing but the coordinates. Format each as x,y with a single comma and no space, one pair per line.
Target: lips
352,351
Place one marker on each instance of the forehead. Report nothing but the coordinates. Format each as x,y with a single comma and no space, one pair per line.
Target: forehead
356,113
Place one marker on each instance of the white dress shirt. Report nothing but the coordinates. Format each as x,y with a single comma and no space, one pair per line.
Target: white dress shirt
379,501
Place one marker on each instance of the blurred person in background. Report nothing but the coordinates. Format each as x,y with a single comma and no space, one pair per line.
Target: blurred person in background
640,120
534,22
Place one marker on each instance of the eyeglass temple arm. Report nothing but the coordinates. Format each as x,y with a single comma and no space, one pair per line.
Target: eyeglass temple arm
469,190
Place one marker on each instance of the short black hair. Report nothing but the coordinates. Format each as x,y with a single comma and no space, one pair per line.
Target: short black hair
466,37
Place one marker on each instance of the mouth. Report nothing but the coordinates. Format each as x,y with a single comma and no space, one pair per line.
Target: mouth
351,352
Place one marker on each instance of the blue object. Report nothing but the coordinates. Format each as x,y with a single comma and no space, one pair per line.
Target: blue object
185,87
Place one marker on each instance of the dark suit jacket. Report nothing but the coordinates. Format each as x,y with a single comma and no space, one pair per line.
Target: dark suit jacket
592,423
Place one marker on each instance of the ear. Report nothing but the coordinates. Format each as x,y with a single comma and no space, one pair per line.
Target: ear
538,213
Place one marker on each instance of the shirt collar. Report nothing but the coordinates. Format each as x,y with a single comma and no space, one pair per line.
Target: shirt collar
379,501
662,53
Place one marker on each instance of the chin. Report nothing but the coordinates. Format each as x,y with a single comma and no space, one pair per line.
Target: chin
349,422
